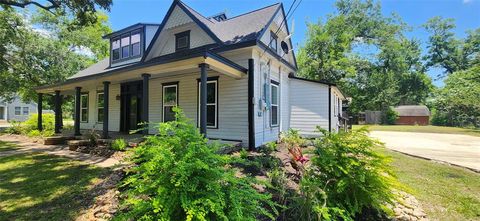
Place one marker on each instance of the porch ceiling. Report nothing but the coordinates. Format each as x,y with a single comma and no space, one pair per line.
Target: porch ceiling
156,68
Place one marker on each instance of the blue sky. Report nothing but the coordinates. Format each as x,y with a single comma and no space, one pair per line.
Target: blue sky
413,12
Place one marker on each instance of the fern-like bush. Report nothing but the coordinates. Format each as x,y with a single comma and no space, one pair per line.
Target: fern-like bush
179,176
353,176
119,145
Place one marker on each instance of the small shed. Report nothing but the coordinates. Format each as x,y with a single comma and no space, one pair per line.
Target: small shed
413,115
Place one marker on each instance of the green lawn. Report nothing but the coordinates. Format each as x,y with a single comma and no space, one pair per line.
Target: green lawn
445,192
4,146
45,187
421,129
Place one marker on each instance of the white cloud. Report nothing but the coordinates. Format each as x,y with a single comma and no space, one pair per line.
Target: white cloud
82,50
467,1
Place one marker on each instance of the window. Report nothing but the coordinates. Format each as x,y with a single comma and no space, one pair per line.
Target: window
274,99
339,106
26,111
135,44
127,46
273,41
182,41
334,106
100,105
18,111
212,103
84,108
170,100
116,49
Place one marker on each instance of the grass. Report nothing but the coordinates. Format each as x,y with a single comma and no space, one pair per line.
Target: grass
45,187
5,146
421,129
445,192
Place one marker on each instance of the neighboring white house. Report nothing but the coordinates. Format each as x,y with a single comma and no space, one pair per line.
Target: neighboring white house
16,110
246,61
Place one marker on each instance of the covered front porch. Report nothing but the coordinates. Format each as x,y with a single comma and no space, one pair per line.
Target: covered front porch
121,99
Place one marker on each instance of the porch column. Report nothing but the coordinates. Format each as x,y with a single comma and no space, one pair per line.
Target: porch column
203,98
61,112
77,111
106,85
146,78
251,104
57,112
39,110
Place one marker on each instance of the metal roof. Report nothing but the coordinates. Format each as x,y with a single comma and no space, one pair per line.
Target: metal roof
412,110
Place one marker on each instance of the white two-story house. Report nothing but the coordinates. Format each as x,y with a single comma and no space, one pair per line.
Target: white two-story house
235,77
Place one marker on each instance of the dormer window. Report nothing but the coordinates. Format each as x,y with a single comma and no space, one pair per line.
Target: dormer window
182,41
273,41
126,46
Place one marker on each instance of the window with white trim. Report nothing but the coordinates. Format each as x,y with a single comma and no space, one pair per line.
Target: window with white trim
18,111
170,100
274,98
84,108
100,106
25,111
212,103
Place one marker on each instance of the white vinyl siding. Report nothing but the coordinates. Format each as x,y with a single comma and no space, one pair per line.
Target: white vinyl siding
178,22
308,106
232,104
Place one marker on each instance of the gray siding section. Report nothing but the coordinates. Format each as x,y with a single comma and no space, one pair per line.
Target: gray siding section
9,110
308,106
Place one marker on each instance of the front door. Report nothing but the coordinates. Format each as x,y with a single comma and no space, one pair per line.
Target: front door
131,103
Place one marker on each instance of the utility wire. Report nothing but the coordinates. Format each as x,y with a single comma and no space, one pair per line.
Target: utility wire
281,24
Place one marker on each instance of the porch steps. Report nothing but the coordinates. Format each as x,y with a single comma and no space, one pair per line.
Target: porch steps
56,140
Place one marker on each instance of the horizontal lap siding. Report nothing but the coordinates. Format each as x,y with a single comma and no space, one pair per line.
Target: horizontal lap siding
114,108
308,106
232,104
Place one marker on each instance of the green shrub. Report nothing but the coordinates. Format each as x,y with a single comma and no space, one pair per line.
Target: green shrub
48,123
15,128
119,145
352,174
179,176
390,116
243,154
292,138
34,133
269,148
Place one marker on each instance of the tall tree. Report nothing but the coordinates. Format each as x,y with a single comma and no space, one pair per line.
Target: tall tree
367,54
447,51
45,54
83,10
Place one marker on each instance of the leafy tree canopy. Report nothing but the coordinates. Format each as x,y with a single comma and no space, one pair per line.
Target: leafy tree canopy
83,10
447,51
45,49
368,55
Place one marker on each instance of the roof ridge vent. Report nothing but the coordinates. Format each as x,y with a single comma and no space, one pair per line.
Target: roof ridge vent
222,16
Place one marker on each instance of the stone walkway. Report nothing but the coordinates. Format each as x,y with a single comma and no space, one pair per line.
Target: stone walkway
58,150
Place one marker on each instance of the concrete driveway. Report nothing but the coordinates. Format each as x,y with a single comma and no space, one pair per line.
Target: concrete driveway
461,150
